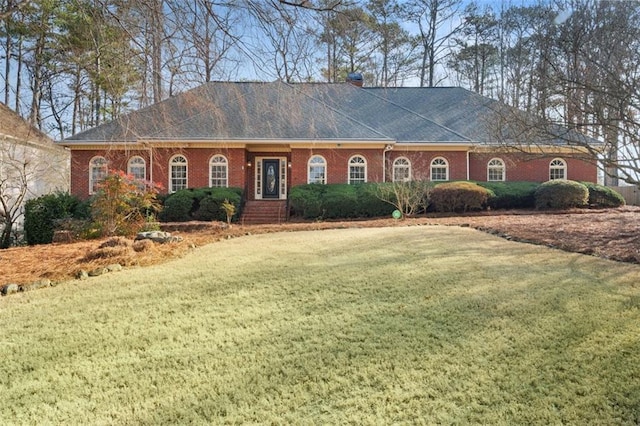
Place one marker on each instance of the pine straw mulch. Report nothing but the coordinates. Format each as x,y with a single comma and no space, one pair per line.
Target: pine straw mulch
609,233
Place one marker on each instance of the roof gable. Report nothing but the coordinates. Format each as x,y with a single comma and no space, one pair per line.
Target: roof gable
14,126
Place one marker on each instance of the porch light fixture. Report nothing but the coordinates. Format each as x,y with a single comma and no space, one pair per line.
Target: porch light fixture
289,165
249,163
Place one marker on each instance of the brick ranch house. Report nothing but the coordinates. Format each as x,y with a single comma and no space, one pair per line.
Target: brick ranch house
268,137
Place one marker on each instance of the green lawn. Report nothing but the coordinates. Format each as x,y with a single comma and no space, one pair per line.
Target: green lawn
427,325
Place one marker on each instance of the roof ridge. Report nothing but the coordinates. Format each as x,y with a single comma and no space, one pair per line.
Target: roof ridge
336,110
417,114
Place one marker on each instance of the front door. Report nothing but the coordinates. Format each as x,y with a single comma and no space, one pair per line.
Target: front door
271,178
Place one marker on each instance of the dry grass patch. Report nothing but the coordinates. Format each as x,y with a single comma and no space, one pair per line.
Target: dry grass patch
368,326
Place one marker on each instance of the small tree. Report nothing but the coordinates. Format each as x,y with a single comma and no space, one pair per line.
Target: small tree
122,204
409,197
229,209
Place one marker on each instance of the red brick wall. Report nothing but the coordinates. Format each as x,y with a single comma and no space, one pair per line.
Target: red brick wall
518,167
521,167
421,163
337,164
197,171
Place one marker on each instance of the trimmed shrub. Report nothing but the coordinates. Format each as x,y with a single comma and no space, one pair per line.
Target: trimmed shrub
200,204
177,207
511,195
561,194
602,196
340,201
337,201
210,207
370,203
43,214
459,196
306,200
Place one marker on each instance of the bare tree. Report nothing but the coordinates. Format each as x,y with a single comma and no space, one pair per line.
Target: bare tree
26,169
586,78
477,54
432,17
287,42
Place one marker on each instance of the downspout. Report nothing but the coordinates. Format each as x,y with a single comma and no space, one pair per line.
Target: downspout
151,165
384,162
468,173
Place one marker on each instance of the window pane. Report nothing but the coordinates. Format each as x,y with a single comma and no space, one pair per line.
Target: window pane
98,171
401,170
178,174
137,168
439,169
317,170
219,172
357,170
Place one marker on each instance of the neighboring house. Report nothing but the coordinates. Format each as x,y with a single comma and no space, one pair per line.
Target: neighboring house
267,137
30,165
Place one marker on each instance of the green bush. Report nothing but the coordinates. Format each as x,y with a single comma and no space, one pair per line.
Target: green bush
602,196
370,203
340,201
177,207
337,201
459,196
511,195
200,204
210,206
561,194
42,214
306,200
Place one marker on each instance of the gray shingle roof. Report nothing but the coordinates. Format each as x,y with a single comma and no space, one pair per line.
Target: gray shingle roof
307,111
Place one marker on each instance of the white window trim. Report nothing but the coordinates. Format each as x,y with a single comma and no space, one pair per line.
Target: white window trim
394,168
324,164
171,164
91,167
226,169
503,167
556,167
446,165
362,165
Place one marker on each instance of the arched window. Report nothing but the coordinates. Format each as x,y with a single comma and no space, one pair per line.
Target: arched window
178,173
357,169
401,170
218,172
495,170
137,168
317,170
97,172
557,169
439,169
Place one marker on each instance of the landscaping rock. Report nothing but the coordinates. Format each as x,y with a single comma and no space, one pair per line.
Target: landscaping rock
97,272
35,285
114,267
9,289
82,274
158,237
